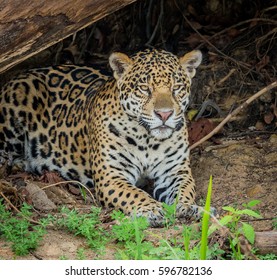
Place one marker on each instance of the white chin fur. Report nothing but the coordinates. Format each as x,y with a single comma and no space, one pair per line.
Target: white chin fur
161,133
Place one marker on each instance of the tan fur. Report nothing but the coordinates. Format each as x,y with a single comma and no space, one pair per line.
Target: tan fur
107,133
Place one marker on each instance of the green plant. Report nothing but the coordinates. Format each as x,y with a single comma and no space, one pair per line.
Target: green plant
233,220
205,222
81,254
178,249
268,257
187,238
166,251
18,229
170,212
130,234
86,225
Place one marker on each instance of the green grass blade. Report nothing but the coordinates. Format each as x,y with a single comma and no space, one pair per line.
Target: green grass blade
138,254
205,223
187,235
138,239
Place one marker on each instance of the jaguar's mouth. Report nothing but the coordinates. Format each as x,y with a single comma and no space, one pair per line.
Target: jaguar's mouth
162,131
163,127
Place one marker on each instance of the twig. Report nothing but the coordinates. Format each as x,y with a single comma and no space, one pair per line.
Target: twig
269,9
27,218
9,202
235,112
226,77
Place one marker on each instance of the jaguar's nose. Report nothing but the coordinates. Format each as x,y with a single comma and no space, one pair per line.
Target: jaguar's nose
163,115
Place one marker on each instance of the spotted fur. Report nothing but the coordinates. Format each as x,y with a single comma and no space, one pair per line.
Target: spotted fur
107,132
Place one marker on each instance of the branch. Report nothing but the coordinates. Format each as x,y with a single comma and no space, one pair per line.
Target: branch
234,113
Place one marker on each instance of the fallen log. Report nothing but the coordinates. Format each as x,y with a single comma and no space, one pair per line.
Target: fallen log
30,26
266,242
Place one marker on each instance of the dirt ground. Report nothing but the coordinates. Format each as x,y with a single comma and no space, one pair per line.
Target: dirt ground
242,170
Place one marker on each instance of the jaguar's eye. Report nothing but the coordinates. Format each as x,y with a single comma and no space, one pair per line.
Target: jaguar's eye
177,88
144,89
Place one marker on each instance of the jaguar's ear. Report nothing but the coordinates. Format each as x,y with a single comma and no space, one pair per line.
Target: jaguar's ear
191,61
119,62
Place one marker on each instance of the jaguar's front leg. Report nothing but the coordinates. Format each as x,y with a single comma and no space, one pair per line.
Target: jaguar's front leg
117,192
178,185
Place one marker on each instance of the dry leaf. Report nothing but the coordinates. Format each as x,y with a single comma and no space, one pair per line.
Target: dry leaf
39,198
198,129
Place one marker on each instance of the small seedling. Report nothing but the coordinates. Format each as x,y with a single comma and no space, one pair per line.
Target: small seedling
86,225
233,220
81,254
268,257
18,229
130,233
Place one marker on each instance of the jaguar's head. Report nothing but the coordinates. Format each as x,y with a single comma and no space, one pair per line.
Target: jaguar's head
154,88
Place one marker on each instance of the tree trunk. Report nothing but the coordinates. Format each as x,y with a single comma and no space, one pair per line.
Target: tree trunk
30,26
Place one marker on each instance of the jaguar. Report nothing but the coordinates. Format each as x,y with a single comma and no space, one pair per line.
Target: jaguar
107,131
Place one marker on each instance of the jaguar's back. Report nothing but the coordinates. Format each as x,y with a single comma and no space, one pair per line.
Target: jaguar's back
42,119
